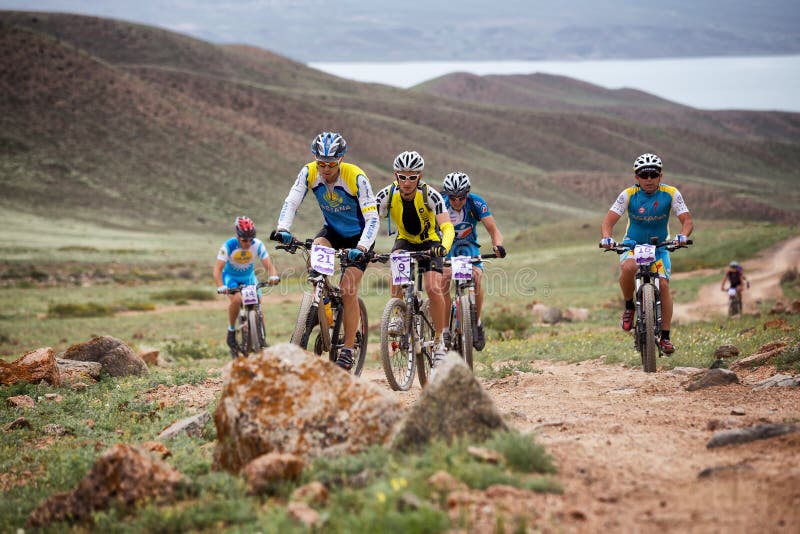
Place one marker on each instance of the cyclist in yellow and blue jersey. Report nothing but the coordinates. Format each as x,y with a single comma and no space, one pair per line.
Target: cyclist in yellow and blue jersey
648,205
419,213
351,218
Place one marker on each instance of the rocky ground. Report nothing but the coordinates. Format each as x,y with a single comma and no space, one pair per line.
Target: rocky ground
631,447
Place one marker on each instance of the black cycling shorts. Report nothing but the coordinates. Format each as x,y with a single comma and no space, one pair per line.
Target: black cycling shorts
337,241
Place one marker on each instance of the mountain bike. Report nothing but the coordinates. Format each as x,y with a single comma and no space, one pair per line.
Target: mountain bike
648,297
463,321
250,334
407,330
320,315
734,302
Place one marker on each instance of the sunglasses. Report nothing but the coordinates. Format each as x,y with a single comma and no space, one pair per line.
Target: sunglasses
409,177
648,175
246,239
330,164
458,197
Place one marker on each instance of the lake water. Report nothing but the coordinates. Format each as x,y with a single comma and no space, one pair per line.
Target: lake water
757,83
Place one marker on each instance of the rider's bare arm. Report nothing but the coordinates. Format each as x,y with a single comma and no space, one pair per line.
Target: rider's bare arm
494,231
687,226
218,266
607,227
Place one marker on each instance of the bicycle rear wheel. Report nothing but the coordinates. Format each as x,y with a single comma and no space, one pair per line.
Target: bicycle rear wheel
397,347
648,345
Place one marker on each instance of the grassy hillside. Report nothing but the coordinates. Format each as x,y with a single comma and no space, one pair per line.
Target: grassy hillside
138,127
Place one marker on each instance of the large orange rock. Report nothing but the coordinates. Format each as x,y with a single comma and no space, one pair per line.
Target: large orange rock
33,366
287,400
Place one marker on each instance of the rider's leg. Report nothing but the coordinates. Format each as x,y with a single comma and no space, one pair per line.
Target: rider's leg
433,286
349,286
448,301
627,279
666,303
477,274
234,304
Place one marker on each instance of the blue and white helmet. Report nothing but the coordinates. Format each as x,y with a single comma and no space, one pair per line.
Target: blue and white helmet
647,161
328,146
409,161
456,183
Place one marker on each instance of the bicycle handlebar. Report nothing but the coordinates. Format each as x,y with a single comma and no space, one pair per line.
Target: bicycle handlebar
233,290
671,246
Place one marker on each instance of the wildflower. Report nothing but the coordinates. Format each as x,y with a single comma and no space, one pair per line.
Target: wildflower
398,483
381,496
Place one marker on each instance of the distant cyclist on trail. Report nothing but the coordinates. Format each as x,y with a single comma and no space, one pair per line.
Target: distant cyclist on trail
235,265
648,205
735,277
419,213
351,218
465,210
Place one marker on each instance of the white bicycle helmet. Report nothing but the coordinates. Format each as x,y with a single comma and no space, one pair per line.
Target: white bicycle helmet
647,161
328,146
456,183
409,161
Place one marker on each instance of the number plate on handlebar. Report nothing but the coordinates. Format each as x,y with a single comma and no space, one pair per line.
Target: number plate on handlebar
644,254
731,291
249,295
322,259
401,268
462,267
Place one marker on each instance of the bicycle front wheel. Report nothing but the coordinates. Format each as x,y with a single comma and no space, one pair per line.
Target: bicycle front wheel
306,321
464,315
397,347
252,342
648,345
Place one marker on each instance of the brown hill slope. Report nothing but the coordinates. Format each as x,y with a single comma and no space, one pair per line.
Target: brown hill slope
147,127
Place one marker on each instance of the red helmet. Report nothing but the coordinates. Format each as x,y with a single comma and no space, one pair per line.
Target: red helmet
244,227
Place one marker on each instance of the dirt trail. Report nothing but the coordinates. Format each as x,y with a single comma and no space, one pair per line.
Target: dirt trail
764,273
630,448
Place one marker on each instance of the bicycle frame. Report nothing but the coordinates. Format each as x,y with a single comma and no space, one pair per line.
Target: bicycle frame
251,301
648,298
324,306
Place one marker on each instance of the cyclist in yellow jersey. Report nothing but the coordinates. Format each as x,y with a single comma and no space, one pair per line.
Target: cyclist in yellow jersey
418,210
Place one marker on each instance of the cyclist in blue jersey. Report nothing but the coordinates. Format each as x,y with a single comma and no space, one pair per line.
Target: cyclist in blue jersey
351,218
235,265
648,205
466,209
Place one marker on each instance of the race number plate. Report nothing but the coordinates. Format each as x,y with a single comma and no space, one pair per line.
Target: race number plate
249,295
644,254
731,291
401,268
322,258
461,267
